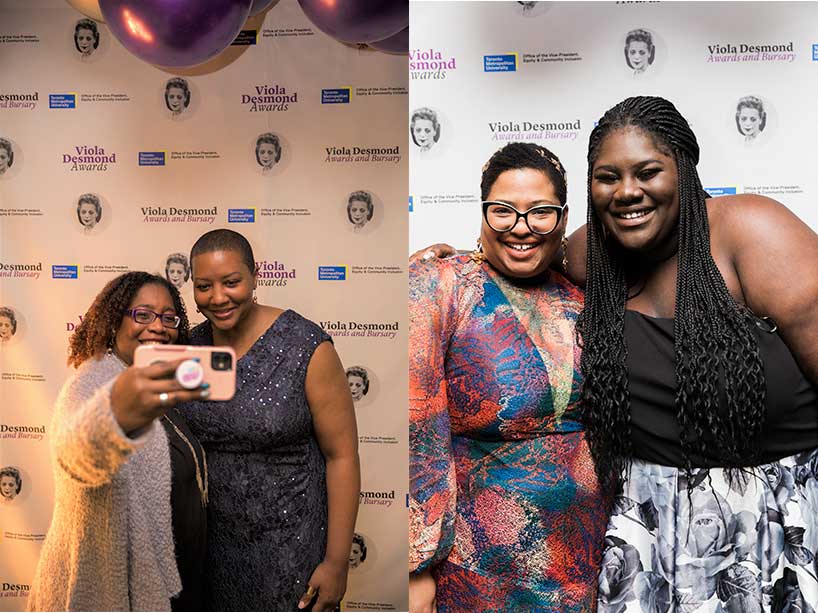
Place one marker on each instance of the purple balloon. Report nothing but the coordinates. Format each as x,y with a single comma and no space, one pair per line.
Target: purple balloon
399,43
260,5
358,21
177,32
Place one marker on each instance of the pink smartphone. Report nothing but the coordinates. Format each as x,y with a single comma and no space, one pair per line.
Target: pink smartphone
218,366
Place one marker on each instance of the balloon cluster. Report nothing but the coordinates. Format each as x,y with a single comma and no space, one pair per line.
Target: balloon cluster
186,33
383,24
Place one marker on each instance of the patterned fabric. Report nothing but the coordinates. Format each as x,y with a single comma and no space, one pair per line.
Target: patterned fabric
745,547
504,503
267,515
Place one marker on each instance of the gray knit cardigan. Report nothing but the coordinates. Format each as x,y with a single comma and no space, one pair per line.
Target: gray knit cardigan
110,544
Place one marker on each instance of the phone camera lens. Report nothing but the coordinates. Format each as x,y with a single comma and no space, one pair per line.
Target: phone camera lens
219,360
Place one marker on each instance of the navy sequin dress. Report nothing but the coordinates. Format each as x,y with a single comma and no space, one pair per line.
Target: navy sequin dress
267,515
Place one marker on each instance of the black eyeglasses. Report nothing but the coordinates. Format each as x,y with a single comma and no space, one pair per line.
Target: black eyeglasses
146,316
542,219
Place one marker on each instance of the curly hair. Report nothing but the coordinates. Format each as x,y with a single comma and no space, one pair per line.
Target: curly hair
177,258
270,139
751,102
361,196
93,200
10,471
96,332
358,540
713,335
9,314
359,371
515,156
179,83
86,24
6,144
427,114
640,36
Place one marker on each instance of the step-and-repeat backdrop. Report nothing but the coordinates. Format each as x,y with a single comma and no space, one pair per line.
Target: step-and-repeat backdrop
109,164
482,74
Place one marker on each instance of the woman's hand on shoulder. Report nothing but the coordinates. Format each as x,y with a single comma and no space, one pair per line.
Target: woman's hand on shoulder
438,250
422,593
136,394
329,581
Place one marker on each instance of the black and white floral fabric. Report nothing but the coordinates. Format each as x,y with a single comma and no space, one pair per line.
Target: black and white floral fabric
745,546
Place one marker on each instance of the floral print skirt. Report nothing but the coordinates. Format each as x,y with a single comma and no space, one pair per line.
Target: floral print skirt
742,545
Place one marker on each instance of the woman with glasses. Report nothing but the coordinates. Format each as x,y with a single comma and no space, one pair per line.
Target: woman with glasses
129,524
505,510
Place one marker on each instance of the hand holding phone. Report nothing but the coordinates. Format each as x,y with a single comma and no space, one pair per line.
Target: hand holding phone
216,366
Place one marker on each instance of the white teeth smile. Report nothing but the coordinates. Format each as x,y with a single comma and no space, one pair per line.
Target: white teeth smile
633,214
520,247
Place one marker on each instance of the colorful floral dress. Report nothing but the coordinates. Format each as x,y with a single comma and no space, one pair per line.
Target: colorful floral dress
504,503
708,544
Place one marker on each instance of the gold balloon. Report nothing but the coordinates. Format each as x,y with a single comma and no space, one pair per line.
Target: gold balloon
89,8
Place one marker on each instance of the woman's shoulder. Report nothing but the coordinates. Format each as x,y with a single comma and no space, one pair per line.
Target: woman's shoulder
88,377
295,325
442,273
738,221
201,334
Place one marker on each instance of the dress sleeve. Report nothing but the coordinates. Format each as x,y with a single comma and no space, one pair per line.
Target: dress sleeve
432,485
87,442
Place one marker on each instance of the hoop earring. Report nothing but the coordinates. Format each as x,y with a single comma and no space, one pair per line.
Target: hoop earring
564,243
478,255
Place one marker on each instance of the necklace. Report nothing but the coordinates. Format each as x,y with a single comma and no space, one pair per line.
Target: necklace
202,483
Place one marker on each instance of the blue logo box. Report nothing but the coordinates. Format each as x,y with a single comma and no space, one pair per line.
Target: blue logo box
64,271
245,38
151,158
339,95
411,204
815,53
241,215
62,101
720,191
500,63
332,273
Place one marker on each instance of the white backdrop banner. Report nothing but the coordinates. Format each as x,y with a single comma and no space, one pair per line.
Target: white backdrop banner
483,74
109,164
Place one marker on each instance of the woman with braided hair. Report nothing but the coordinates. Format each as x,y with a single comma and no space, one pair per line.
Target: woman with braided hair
699,359
505,510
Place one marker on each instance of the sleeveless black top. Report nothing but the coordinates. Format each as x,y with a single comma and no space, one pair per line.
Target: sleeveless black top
792,401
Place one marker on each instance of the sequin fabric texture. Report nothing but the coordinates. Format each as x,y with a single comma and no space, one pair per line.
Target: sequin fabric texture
267,515
504,503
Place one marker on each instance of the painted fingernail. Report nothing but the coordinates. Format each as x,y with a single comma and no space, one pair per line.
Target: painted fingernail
205,394
205,385
429,255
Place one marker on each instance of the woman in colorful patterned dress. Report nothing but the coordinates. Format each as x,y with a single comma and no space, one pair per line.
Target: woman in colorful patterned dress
505,509
703,412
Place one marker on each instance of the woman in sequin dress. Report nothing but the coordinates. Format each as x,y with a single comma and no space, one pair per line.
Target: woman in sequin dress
283,458
505,510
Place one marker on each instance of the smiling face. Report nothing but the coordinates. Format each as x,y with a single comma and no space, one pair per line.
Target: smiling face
634,189
267,155
6,329
356,386
131,334
176,274
176,99
749,121
223,288
88,214
4,160
8,487
638,53
519,253
85,41
358,212
424,132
